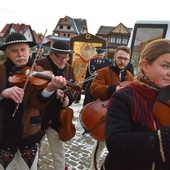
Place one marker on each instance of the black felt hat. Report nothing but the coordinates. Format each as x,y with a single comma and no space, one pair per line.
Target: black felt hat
61,46
16,38
100,50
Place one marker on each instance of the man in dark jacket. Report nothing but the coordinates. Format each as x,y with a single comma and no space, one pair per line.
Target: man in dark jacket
51,123
20,128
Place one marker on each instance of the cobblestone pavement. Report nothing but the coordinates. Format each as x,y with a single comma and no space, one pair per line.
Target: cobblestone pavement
77,150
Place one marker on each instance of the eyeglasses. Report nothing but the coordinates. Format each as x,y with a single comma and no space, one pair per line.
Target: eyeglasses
62,58
121,58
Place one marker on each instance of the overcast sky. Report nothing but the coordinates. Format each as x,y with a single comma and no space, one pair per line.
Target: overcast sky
42,15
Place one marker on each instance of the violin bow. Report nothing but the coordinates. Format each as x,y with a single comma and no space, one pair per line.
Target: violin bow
87,79
26,82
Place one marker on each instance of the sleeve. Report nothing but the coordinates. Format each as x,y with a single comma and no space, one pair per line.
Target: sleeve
99,87
37,100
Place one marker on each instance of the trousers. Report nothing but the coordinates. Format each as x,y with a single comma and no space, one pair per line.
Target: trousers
97,150
18,163
57,148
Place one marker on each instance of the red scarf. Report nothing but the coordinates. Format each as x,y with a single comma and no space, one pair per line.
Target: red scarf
144,97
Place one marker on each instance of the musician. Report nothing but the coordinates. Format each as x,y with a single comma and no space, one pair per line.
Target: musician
106,82
99,61
56,62
20,129
135,138
40,50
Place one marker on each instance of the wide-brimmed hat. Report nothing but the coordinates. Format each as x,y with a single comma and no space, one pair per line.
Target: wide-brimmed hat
16,38
100,50
61,46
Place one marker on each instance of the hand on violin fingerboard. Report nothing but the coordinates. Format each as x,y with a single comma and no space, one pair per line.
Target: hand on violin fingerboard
56,83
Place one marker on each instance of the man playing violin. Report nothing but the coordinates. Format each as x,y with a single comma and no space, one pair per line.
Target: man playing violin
20,133
136,139
106,82
51,123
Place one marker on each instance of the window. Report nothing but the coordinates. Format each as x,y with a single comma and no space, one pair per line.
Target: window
118,40
142,35
68,27
124,41
61,26
112,40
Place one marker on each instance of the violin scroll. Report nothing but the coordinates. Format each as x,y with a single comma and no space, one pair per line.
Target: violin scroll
74,89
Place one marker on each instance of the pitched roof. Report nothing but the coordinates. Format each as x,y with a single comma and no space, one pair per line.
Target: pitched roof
77,24
22,28
105,30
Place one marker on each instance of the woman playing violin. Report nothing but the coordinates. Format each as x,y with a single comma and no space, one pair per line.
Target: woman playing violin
20,134
135,138
51,123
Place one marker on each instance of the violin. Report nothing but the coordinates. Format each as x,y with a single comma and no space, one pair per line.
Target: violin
161,107
37,79
92,117
67,131
40,80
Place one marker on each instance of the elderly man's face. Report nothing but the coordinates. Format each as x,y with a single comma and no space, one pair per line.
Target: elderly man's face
18,53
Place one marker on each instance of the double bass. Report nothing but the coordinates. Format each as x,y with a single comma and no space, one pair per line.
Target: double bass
92,117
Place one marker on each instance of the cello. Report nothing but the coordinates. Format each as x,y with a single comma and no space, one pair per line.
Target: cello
92,117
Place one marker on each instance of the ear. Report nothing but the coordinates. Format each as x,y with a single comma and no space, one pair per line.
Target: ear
114,58
51,54
6,53
144,65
